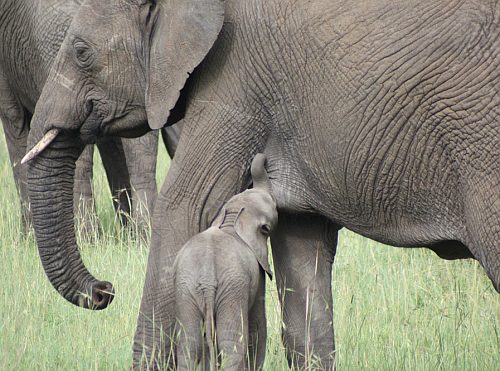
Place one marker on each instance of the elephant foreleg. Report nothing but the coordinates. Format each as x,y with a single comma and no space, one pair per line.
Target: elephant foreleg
141,154
303,251
115,165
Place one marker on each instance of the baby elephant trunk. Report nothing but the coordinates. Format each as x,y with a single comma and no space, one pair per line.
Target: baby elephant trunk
259,173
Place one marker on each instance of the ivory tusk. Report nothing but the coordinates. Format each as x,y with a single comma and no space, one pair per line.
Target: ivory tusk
41,145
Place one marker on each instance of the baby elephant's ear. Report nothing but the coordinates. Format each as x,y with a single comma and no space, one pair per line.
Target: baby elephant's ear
219,219
247,227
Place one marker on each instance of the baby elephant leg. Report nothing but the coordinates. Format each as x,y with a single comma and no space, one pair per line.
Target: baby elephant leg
231,321
190,328
257,328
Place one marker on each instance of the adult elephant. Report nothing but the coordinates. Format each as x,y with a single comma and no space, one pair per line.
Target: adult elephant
105,80
31,33
381,117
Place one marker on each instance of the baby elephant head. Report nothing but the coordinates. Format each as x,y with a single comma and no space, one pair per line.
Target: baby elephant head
252,214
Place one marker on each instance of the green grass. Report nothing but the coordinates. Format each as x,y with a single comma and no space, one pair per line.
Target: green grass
394,308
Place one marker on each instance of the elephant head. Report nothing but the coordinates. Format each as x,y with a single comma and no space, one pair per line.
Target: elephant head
252,214
120,68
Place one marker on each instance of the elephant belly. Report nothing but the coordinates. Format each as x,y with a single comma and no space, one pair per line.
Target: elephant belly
393,196
374,133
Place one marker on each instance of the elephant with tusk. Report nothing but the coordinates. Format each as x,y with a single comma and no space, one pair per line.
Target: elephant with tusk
107,78
130,164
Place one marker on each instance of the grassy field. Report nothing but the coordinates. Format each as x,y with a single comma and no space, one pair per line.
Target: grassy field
394,309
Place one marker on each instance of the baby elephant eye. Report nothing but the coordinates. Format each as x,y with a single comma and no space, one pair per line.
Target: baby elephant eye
265,229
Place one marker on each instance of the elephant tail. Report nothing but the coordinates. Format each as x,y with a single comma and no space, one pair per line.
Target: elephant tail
210,328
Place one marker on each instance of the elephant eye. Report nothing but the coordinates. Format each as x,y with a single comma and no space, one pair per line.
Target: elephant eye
265,229
83,53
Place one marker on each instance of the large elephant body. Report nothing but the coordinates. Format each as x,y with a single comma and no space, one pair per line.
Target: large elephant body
31,33
381,117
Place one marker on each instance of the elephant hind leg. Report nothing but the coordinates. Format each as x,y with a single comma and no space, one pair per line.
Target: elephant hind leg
231,321
303,250
190,349
257,330
482,214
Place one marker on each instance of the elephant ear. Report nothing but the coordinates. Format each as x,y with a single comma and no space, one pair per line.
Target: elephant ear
247,226
219,219
181,36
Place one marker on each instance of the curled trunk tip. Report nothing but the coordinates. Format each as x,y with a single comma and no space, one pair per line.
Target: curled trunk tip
99,296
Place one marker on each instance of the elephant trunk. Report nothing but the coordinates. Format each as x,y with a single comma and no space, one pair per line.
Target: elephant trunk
259,173
50,180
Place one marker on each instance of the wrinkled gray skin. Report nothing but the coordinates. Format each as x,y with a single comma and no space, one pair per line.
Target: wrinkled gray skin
219,280
381,117
31,33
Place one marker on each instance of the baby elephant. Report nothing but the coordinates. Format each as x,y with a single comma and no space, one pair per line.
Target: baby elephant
220,282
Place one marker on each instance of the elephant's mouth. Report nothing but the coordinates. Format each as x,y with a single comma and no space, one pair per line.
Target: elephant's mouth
105,119
130,123
100,121
91,128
